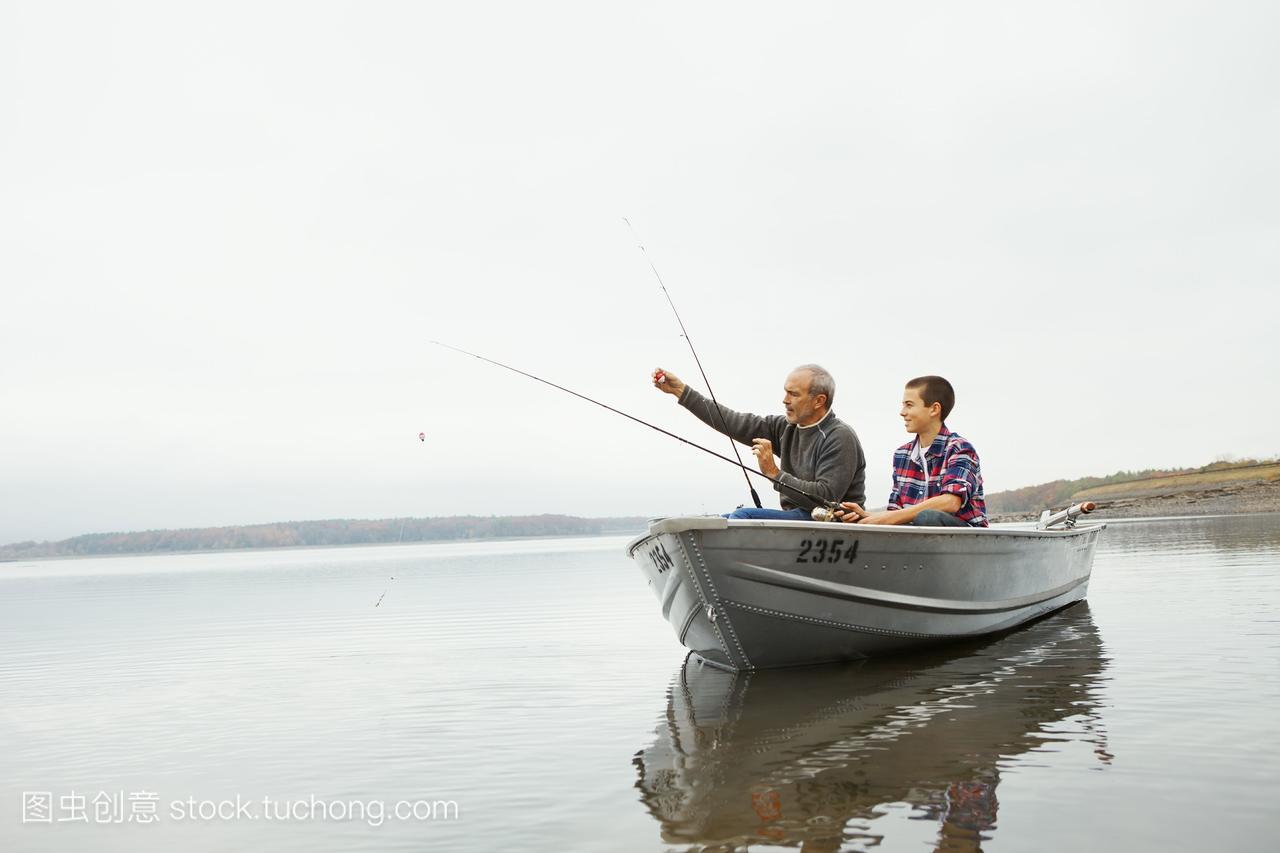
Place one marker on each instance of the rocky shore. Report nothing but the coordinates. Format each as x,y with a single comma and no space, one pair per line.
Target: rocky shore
1225,499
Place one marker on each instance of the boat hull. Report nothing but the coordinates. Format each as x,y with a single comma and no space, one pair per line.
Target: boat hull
761,594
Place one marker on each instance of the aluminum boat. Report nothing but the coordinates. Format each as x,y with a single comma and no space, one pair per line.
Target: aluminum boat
759,594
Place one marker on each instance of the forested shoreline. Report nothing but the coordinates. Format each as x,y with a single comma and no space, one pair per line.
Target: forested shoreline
321,534
1060,492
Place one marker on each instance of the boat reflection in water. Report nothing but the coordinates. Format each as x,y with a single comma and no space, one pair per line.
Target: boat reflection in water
815,757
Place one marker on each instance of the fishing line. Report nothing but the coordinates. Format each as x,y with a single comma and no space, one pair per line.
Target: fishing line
685,334
833,505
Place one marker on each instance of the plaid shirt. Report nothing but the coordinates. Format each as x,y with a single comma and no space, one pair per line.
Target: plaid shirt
953,470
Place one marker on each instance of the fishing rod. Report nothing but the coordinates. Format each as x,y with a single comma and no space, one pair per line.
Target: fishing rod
685,334
830,505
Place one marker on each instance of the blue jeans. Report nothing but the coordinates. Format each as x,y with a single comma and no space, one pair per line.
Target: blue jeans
774,514
934,518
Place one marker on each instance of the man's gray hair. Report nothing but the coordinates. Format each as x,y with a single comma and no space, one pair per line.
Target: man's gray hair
820,381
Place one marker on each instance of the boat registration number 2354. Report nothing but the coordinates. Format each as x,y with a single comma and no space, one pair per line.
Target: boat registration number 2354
661,559
827,551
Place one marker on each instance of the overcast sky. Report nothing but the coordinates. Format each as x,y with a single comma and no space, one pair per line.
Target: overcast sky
228,232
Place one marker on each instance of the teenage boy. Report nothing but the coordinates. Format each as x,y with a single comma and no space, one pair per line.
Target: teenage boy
937,481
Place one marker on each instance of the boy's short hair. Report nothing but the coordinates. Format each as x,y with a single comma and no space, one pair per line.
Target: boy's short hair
935,389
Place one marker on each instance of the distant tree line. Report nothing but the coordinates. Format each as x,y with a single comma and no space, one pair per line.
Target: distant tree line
1058,493
342,531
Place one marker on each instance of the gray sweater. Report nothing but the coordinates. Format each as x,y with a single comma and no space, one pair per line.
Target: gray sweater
825,459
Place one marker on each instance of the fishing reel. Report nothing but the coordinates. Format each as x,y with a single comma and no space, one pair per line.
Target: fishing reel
825,513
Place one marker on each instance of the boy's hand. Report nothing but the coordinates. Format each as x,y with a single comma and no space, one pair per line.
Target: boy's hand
667,382
850,513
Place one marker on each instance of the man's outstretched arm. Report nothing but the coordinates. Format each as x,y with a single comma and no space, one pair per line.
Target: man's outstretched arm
741,427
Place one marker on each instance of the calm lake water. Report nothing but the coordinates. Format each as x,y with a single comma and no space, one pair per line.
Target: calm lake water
527,695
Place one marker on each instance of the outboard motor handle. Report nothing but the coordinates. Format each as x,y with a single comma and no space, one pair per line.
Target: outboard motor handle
1066,517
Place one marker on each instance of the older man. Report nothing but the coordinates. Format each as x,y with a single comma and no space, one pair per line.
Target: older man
820,453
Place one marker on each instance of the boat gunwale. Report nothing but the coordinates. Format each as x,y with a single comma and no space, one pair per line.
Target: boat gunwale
671,525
